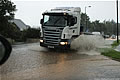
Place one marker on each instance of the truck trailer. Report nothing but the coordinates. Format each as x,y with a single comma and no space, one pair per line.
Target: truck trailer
59,26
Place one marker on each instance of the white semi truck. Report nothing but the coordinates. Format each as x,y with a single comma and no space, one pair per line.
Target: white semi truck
60,26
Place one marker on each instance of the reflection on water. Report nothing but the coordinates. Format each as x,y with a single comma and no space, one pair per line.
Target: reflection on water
55,57
60,67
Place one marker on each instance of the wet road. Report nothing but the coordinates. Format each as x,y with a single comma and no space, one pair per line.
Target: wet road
32,62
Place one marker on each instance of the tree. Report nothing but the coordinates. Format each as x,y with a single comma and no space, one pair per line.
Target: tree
85,19
108,27
7,9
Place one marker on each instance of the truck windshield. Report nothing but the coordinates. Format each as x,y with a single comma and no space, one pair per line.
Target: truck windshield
52,20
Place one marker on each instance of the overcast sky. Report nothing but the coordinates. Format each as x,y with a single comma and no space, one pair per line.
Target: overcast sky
30,12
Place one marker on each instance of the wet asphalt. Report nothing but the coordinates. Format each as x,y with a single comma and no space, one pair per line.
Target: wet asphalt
32,62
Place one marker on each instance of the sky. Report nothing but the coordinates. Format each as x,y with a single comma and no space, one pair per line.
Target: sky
30,11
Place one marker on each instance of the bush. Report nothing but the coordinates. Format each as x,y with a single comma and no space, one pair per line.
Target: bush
31,33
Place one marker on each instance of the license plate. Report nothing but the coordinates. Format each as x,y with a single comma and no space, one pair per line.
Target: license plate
50,46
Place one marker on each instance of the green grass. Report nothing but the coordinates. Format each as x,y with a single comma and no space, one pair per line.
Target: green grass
115,44
112,54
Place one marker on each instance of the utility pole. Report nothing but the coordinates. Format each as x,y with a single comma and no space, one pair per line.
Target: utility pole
117,22
86,17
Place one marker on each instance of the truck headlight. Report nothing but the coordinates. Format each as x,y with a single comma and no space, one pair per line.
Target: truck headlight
63,43
41,41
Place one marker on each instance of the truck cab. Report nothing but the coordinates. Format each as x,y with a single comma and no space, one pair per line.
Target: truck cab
59,27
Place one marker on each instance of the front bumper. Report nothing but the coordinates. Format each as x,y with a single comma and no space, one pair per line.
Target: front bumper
66,46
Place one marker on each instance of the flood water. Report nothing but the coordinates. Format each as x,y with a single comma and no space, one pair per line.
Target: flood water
32,62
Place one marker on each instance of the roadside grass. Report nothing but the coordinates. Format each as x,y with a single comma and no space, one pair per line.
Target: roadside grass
110,52
114,44
115,55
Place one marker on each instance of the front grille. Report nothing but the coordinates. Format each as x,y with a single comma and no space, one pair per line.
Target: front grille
52,37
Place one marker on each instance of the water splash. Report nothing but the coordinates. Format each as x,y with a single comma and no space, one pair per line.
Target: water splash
87,42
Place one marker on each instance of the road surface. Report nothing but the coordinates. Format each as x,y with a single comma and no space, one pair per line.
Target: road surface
32,62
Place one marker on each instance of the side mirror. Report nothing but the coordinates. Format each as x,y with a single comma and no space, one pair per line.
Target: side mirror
41,21
73,21
5,50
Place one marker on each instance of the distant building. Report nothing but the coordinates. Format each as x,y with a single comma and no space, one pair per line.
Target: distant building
20,24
